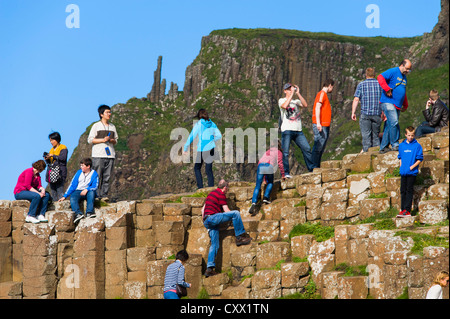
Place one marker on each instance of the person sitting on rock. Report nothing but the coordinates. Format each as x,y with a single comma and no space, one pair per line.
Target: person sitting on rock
29,188
215,211
83,186
436,119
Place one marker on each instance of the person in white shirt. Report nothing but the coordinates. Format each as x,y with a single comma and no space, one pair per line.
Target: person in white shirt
441,280
103,136
291,127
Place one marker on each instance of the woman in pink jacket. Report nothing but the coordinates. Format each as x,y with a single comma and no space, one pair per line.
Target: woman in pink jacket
29,188
266,170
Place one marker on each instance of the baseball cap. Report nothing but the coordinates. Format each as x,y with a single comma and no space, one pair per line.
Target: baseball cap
287,86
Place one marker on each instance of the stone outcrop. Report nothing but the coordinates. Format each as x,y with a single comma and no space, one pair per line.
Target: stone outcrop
125,250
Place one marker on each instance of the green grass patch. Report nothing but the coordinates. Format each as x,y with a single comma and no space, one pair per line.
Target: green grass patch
423,240
350,271
395,173
320,232
302,203
405,294
310,292
390,213
381,195
203,294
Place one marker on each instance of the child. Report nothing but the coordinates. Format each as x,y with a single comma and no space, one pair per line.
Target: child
440,282
83,186
410,154
266,170
103,136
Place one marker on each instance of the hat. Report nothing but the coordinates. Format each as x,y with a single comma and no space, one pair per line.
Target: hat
287,86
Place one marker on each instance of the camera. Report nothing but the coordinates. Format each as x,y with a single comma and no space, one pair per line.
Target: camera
45,154
295,89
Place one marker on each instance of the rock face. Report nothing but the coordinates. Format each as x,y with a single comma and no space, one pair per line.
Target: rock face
125,251
435,44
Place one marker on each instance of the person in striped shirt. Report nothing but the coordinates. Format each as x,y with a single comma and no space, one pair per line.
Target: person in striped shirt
175,275
215,212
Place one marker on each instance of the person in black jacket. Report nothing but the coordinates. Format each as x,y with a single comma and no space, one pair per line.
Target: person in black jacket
436,118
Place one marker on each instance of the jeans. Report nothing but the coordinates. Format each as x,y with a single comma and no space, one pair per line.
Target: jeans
57,189
206,157
104,168
424,128
370,129
392,128
38,203
299,138
75,198
320,141
263,171
407,191
170,295
212,223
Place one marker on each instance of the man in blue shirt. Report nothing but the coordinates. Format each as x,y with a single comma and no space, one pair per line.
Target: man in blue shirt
368,92
393,100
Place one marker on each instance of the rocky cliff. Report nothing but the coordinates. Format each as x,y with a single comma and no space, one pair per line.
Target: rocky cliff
238,77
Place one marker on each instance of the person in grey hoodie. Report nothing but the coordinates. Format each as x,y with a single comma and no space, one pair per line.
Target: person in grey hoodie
208,134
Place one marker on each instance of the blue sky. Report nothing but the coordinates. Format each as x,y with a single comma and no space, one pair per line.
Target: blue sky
53,78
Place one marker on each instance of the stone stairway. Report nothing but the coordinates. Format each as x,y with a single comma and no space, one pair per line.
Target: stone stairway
124,251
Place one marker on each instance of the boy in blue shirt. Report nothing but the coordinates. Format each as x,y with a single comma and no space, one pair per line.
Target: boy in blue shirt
84,185
410,154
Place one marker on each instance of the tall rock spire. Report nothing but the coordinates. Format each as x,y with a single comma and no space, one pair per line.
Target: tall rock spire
158,87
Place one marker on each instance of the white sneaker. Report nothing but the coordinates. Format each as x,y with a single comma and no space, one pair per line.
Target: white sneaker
31,219
288,176
42,219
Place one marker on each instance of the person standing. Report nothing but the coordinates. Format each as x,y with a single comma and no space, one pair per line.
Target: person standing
321,119
368,92
215,211
208,134
435,119
29,187
57,156
393,101
410,154
103,136
291,126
